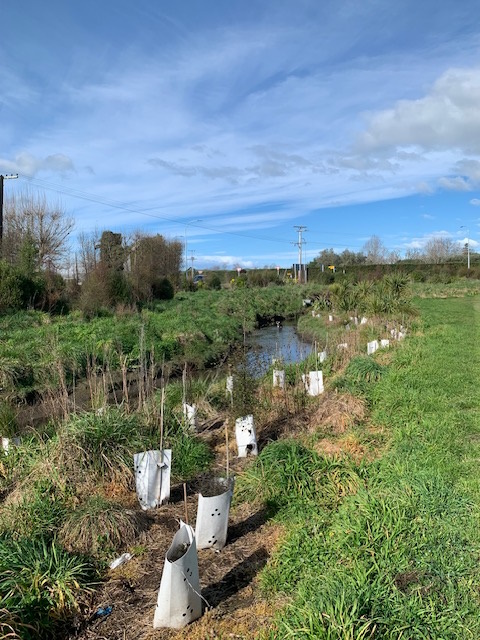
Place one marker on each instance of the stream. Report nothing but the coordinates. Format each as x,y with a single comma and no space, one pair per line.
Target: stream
272,342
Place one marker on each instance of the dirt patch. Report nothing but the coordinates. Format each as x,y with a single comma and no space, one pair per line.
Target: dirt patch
228,581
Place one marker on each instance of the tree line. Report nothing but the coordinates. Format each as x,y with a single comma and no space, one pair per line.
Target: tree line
437,250
38,270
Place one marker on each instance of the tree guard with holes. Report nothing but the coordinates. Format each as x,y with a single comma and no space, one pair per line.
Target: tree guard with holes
246,436
313,383
179,600
212,515
190,415
279,378
152,477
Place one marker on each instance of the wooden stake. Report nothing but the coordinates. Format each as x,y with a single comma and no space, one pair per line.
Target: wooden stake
228,453
185,501
162,403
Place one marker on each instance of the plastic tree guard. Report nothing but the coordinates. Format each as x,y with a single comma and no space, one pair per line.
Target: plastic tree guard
179,600
152,477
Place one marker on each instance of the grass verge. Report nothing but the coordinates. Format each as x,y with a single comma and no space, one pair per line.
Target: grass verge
399,557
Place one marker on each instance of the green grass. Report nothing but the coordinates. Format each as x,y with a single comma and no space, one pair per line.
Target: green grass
40,585
399,558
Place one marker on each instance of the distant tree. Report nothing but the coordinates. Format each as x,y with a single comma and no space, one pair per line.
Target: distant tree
112,251
46,225
350,258
87,253
375,251
327,257
439,250
152,259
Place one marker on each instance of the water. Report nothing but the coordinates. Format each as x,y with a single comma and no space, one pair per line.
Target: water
272,342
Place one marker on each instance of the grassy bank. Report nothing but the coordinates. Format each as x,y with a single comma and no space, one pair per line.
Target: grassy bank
398,557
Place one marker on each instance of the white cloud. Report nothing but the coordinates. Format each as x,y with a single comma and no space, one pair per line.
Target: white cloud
427,216
475,202
447,118
455,184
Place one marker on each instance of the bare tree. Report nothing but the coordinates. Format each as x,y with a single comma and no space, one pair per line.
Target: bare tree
440,249
375,251
87,252
29,216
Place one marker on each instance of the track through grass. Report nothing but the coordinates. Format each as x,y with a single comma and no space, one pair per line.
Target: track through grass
400,558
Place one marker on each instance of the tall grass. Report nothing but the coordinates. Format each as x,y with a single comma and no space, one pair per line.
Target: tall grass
41,584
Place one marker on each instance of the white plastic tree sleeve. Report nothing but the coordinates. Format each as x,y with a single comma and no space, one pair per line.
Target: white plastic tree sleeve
179,600
246,436
212,516
229,385
322,356
313,383
279,378
372,347
190,414
152,477
5,444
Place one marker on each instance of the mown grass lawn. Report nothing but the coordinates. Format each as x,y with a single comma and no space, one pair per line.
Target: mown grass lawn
400,558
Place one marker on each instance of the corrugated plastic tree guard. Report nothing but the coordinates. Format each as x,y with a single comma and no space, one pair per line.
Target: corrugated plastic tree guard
190,413
372,347
279,378
313,383
179,600
246,436
152,477
212,516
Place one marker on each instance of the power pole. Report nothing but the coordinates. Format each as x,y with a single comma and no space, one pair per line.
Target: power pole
2,178
300,243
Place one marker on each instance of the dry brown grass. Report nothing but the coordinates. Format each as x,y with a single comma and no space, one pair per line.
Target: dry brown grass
98,524
337,413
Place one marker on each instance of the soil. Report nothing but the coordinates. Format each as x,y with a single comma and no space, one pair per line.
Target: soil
233,606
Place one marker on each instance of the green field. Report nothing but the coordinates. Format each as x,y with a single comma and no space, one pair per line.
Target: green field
399,558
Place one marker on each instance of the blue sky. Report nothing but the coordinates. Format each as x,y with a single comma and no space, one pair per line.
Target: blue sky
254,116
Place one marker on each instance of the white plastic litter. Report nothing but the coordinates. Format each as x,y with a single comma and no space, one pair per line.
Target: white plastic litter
125,557
330,318
246,436
212,516
190,415
5,444
342,345
372,347
179,600
279,378
152,477
363,320
384,343
313,383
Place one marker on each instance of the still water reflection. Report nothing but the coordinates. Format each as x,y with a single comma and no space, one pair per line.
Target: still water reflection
272,342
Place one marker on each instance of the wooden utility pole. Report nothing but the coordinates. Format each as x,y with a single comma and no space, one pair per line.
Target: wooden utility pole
2,178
